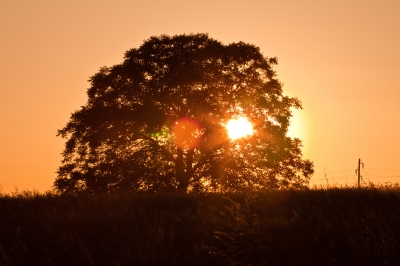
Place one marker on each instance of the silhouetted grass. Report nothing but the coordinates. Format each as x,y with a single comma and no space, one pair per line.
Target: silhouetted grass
335,226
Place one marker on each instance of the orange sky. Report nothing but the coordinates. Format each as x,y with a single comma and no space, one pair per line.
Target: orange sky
340,58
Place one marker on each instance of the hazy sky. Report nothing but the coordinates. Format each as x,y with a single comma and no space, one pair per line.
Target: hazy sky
340,58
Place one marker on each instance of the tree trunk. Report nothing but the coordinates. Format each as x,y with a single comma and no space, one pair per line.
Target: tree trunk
183,174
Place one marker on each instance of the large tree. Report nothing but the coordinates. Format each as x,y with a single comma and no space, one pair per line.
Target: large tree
157,121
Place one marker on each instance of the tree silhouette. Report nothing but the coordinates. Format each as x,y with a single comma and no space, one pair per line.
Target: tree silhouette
157,122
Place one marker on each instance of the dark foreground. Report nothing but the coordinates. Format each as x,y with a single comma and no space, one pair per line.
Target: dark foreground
312,227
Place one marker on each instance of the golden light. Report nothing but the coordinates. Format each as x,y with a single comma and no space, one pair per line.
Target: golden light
188,133
302,128
238,128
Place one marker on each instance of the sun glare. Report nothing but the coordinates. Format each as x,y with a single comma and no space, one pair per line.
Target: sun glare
238,128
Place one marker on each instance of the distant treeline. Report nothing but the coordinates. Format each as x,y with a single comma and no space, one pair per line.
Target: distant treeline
336,226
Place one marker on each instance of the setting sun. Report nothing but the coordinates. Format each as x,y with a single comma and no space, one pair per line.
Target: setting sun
239,127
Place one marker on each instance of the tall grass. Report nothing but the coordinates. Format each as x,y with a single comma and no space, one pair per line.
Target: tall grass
334,226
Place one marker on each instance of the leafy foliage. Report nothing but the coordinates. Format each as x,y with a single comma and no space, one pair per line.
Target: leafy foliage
156,122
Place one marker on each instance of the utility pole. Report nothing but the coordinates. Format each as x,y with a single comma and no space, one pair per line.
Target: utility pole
358,171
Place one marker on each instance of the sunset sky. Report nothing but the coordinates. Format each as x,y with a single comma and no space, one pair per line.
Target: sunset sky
340,58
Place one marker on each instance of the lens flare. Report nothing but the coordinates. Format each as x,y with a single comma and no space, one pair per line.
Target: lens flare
188,133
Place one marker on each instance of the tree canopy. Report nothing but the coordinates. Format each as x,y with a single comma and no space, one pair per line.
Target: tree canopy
157,122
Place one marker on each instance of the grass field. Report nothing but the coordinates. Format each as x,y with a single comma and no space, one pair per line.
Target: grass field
334,226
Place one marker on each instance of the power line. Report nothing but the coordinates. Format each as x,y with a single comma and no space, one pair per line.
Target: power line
361,170
352,178
333,172
384,176
383,169
325,173
335,177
